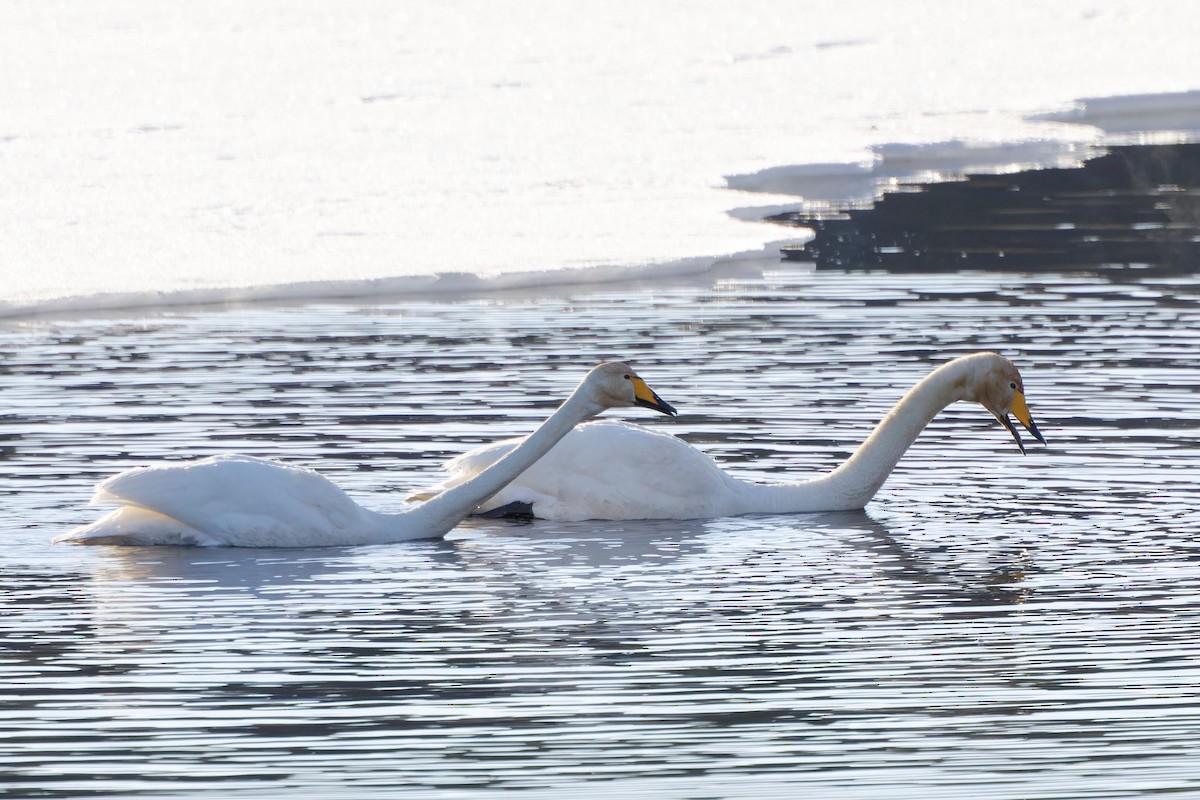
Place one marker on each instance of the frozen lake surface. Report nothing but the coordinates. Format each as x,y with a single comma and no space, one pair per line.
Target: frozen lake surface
303,148
993,625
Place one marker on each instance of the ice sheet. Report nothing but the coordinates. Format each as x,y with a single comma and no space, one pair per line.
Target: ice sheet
160,154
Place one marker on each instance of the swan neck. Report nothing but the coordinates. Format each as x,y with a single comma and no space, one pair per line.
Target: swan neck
857,480
441,513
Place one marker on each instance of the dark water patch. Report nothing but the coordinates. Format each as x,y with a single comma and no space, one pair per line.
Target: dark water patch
1134,209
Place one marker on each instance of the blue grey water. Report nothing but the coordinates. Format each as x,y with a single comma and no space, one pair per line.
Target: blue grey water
992,625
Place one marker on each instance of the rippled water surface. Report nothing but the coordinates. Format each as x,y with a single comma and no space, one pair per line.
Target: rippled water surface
992,625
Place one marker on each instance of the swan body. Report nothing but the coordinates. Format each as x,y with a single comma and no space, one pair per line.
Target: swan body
236,500
662,477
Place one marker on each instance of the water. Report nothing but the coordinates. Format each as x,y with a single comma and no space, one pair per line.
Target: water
1132,205
993,625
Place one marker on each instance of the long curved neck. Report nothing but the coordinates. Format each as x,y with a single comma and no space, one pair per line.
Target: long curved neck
441,513
856,481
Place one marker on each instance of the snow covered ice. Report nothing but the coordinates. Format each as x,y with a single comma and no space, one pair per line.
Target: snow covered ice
201,152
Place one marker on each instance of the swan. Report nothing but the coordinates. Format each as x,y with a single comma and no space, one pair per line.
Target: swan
662,477
237,500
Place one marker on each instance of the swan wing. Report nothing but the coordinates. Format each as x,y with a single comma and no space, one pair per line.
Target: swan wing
130,525
228,500
607,470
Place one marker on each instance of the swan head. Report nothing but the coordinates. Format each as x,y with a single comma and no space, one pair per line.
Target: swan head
999,389
615,385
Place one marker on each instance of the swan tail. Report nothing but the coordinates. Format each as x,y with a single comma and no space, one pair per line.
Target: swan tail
130,525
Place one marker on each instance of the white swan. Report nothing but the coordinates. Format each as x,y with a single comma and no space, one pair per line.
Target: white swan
661,477
234,500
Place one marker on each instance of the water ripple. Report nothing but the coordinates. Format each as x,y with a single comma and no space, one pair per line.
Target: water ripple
993,624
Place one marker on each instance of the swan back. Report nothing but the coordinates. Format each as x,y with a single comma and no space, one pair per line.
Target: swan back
608,470
226,499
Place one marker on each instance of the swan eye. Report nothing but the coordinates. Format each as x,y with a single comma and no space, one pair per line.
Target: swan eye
628,377
1012,385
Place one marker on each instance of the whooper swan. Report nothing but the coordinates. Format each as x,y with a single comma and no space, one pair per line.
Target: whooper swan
621,471
234,500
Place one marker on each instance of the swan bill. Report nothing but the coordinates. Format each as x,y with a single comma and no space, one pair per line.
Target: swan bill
645,397
1020,410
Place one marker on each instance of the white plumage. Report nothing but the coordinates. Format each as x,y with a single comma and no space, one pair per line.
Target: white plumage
226,499
612,470
609,470
244,501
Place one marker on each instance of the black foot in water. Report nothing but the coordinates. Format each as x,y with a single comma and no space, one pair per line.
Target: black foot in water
517,511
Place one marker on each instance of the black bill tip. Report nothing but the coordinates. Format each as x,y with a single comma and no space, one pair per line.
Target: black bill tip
657,404
1008,423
